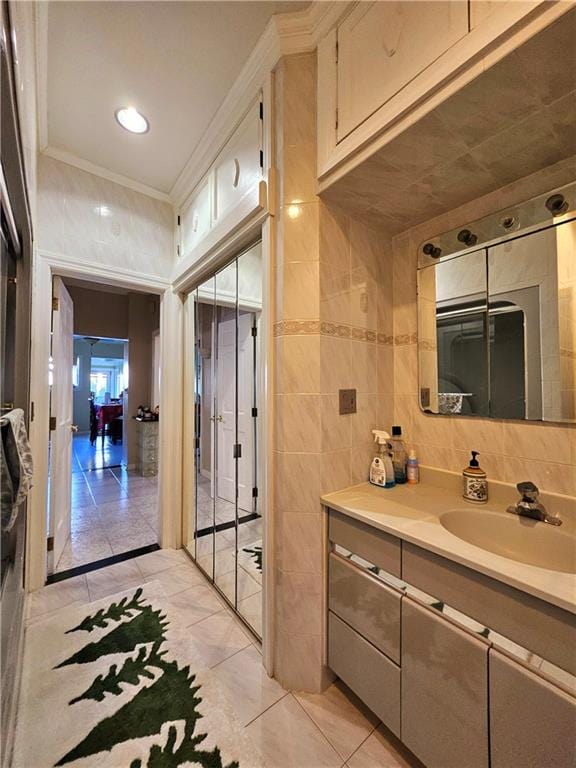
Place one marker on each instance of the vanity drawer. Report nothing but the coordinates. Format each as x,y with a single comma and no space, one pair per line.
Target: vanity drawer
373,545
372,677
366,604
534,624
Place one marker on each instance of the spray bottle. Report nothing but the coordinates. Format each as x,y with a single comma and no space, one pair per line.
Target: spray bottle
381,469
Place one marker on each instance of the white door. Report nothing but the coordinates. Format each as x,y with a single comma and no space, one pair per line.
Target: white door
61,413
225,417
245,405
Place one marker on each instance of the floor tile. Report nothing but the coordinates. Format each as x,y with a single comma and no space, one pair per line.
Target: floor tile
287,738
341,717
179,578
161,560
58,595
218,637
194,604
251,610
383,750
247,684
115,578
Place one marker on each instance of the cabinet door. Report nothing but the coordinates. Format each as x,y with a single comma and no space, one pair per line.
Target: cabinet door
237,168
371,675
364,603
196,217
383,46
532,723
444,691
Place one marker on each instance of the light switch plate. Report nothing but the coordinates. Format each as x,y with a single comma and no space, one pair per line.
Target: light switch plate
347,400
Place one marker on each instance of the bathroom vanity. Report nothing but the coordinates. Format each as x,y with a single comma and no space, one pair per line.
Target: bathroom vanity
467,655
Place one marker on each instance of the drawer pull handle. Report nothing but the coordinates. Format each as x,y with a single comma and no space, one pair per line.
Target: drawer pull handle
236,173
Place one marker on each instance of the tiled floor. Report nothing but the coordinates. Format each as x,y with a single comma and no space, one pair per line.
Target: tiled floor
113,511
218,552
104,453
291,730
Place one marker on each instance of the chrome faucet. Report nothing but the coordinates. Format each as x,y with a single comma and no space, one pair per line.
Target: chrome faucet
529,506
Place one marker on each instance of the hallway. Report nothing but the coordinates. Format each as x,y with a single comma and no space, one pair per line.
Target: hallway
103,454
113,511
246,714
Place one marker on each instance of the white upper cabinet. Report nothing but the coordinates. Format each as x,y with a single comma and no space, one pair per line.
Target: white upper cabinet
238,168
195,218
384,65
229,186
383,46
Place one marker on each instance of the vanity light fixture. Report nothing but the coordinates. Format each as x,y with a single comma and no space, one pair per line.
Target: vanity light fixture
432,250
132,120
467,237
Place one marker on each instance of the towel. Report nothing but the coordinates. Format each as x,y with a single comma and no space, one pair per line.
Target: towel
16,467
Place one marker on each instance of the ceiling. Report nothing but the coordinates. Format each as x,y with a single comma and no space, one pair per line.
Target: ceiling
174,61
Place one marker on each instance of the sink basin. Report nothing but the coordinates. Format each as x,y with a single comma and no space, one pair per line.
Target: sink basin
526,541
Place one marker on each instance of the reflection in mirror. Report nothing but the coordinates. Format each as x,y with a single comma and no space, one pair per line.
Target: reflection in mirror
497,327
228,518
225,427
453,352
203,409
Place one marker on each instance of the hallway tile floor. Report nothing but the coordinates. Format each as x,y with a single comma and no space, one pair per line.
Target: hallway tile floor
113,511
289,730
104,453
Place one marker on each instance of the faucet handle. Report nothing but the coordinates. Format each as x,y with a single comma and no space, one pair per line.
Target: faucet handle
528,490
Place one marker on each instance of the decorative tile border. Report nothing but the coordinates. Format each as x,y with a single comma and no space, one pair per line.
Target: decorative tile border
325,328
403,339
427,345
340,331
567,353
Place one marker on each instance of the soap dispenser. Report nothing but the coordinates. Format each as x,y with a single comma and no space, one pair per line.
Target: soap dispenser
475,482
381,469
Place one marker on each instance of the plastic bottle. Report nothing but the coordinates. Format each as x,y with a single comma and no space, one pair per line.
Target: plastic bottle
412,468
381,469
399,455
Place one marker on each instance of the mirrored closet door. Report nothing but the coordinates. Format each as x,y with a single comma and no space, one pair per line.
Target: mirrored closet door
227,522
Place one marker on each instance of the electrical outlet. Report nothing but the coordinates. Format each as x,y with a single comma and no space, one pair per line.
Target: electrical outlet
347,400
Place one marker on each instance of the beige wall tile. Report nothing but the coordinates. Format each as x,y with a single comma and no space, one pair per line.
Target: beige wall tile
300,542
336,371
298,481
300,232
335,470
364,366
298,364
335,297
365,420
336,427
334,237
302,603
542,442
299,174
298,423
299,662
300,300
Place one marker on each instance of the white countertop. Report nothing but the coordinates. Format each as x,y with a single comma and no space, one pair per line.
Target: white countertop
412,513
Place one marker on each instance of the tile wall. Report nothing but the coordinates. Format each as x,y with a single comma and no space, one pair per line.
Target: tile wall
510,451
333,331
90,218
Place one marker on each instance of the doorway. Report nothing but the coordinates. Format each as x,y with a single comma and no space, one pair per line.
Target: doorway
226,539
99,381
103,466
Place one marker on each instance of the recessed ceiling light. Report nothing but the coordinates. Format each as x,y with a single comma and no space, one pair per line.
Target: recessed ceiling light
130,119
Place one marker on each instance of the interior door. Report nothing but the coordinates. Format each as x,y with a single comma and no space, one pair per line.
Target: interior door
226,410
61,416
246,473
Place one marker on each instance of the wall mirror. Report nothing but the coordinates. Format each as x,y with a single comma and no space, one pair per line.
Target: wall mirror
497,314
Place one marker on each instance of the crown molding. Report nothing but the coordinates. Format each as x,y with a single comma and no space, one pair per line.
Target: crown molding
104,173
285,34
